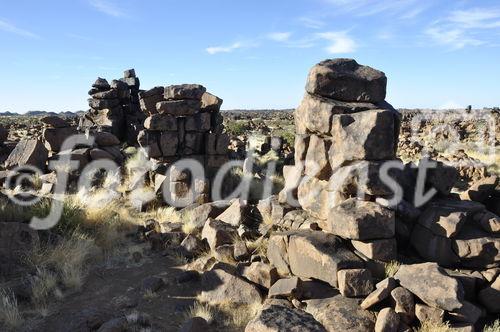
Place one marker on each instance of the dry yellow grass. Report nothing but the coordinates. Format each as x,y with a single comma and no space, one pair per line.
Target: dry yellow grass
10,316
391,268
494,327
202,310
431,326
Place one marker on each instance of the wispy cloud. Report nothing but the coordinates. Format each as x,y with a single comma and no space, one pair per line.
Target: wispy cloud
279,36
339,42
311,22
224,49
462,28
401,8
8,27
108,8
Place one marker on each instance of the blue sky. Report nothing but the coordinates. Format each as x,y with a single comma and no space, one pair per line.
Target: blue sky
253,54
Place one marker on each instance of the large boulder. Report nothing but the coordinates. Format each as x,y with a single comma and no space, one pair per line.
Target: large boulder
218,233
184,91
177,108
319,255
346,80
28,152
432,285
313,197
360,220
55,137
316,163
220,286
369,135
341,314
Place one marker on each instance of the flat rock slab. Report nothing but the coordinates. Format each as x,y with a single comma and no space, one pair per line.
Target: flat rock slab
279,318
432,285
341,314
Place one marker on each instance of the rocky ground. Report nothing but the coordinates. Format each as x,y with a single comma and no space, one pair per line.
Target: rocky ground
121,260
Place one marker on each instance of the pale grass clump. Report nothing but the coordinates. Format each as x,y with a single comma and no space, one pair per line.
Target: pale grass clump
10,316
202,310
494,327
188,222
167,214
237,316
391,268
258,246
433,326
43,288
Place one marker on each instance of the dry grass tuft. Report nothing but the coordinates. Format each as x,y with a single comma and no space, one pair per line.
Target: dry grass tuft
202,310
9,310
237,317
494,327
431,326
391,268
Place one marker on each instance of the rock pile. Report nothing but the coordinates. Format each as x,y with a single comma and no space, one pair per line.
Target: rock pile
183,122
344,132
115,107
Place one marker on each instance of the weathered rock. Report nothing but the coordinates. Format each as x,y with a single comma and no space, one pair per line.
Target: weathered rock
240,252
442,178
320,256
103,138
488,221
340,314
316,163
382,291
432,247
179,107
360,220
101,84
216,143
387,321
198,122
148,99
218,233
234,214
316,112
277,253
191,246
210,103
442,220
480,190
28,152
404,304
169,143
101,104
184,91
260,273
55,137
489,297
476,248
199,214
286,288
346,80
384,250
152,284
161,122
277,318
432,285
369,135
54,121
97,153
425,313
314,198
220,286
355,282
468,313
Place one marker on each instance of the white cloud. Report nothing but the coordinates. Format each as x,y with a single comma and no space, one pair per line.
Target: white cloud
7,27
340,42
481,18
107,8
402,8
279,36
223,49
312,23
455,38
462,28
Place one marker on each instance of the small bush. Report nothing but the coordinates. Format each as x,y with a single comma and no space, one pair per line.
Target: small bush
236,128
431,326
391,268
204,311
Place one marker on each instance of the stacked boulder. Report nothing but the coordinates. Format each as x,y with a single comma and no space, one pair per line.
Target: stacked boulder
183,122
115,107
345,131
